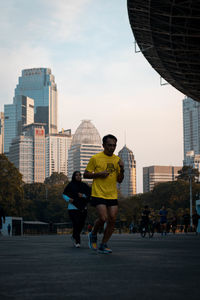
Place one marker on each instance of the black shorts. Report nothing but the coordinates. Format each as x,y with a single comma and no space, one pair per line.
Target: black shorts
108,202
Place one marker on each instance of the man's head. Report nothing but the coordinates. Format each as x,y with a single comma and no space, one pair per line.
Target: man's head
146,207
109,144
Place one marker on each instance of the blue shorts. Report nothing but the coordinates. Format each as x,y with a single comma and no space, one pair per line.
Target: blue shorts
108,202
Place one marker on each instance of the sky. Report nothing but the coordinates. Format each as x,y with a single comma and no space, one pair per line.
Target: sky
89,46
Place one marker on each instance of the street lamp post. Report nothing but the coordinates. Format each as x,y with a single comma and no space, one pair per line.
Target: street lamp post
190,179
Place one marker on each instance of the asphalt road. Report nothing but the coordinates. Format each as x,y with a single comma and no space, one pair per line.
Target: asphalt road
48,267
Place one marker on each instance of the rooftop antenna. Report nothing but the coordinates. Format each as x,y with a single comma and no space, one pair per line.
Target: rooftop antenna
125,137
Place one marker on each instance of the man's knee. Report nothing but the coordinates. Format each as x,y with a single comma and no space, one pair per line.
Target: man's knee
103,219
112,219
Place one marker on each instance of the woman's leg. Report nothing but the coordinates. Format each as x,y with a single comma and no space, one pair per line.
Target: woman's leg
74,216
82,217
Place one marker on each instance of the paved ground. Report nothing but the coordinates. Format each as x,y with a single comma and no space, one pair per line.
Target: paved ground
48,267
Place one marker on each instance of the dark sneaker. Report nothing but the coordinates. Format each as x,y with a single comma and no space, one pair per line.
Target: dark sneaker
92,241
104,249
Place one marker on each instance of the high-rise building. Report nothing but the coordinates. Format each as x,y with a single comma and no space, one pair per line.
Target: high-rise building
21,154
56,152
1,132
27,152
158,174
39,84
128,185
85,143
191,126
17,115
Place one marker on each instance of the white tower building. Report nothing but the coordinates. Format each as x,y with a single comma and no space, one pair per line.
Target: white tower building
85,143
128,185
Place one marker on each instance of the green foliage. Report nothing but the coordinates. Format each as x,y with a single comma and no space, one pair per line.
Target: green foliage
45,203
11,190
186,172
56,178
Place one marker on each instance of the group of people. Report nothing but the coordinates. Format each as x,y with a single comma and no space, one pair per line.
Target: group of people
145,218
165,223
105,169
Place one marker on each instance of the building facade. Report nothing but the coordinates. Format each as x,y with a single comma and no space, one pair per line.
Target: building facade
21,154
191,126
27,152
128,186
85,143
17,115
1,132
39,84
158,174
56,152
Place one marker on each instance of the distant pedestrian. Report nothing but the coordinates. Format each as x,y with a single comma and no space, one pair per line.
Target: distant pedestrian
131,228
186,222
174,224
89,227
163,220
77,194
9,229
195,219
2,217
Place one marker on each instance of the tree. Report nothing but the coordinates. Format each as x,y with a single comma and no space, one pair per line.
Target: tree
186,172
56,178
11,188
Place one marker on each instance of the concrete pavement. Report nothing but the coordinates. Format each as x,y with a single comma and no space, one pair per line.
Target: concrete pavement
48,267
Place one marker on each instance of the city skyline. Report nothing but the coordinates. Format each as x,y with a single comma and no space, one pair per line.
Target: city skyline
89,47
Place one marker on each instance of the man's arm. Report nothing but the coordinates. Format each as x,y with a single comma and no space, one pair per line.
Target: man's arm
120,176
92,175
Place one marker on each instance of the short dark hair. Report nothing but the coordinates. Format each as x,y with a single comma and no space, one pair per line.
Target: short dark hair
108,136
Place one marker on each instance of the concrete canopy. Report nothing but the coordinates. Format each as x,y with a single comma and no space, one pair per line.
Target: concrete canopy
168,34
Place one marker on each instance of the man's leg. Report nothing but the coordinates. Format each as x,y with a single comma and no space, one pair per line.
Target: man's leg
102,218
112,214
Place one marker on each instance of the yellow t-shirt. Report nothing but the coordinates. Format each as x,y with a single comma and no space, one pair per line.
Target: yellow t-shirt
104,187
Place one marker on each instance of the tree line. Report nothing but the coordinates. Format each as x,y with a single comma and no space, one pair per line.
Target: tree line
44,202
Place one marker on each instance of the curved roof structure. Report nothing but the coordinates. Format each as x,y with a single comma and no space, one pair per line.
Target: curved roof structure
168,34
86,133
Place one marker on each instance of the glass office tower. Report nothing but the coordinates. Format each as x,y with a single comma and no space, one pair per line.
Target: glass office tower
16,115
1,132
191,126
39,84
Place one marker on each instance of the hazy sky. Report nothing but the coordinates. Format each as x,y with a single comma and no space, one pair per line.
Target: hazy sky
89,46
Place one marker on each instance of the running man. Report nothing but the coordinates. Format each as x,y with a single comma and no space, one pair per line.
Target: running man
106,169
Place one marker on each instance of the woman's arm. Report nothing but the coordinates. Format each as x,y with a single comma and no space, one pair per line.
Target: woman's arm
67,199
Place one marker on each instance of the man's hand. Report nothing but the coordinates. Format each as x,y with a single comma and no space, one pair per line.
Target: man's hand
121,165
120,176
